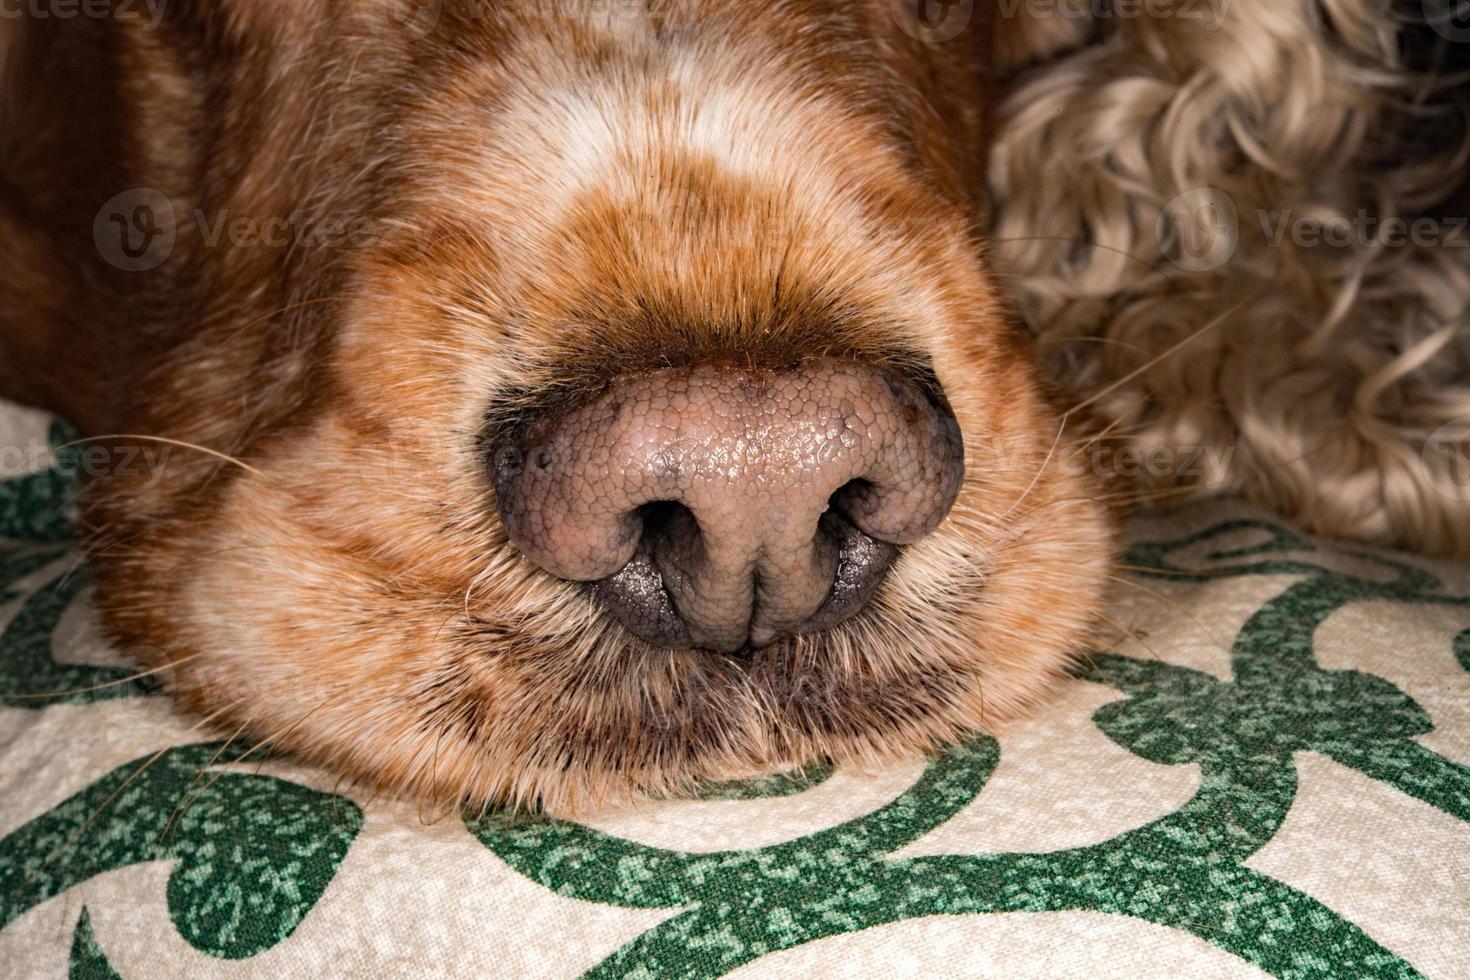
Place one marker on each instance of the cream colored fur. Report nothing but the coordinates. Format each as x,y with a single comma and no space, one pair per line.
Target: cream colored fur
1336,377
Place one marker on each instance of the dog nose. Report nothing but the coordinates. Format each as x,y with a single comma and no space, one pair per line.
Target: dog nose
722,508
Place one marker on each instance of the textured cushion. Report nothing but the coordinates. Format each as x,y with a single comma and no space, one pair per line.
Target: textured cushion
1265,774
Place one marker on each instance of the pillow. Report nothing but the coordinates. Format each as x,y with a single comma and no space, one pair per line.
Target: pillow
1261,771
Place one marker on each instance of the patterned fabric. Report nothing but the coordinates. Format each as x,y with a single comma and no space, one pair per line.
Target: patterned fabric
1268,773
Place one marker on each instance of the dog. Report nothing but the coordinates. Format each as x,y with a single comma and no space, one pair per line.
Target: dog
564,401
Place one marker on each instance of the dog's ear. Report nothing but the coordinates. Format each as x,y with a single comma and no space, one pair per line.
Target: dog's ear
47,359
50,348
1023,36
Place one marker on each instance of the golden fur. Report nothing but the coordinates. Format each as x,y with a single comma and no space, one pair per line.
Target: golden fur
538,194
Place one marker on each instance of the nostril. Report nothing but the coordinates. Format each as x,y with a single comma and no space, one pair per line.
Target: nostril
857,500
851,494
636,594
660,516
862,565
636,597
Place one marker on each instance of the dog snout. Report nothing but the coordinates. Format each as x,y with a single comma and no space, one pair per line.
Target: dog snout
723,508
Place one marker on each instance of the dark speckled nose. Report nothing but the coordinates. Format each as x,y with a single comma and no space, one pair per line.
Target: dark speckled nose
723,508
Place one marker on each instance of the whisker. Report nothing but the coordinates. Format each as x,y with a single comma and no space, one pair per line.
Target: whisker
1106,430
1185,573
257,747
1080,339
1090,658
1136,638
433,781
1177,605
77,834
1157,270
1150,496
183,797
1210,325
100,687
289,308
167,442
281,734
1039,471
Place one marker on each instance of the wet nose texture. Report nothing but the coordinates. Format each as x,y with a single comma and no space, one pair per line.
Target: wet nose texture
723,508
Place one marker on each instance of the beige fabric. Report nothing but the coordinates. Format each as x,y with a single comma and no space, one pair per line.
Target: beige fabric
1368,856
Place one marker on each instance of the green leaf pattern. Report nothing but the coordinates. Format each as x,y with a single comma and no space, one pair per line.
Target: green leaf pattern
251,855
1186,870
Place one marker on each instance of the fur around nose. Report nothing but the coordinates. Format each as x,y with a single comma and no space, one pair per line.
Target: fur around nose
722,508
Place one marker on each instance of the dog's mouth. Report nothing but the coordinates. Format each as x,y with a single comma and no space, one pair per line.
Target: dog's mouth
649,715
722,508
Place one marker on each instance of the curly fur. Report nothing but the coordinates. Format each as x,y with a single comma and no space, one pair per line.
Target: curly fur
1340,373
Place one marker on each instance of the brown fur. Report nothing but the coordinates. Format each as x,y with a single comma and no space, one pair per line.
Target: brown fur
545,194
